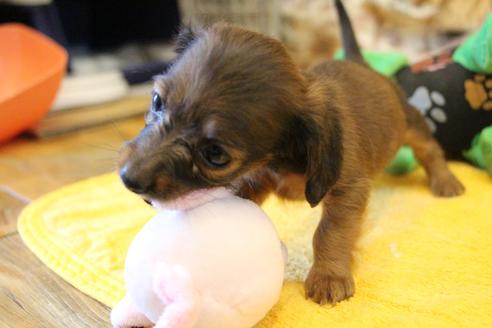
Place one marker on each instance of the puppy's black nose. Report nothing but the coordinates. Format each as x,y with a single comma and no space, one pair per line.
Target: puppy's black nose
131,183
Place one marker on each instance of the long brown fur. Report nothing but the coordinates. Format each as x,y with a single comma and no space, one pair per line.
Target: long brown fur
235,96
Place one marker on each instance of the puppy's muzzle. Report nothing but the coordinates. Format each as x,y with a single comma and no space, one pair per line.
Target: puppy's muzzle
132,182
151,173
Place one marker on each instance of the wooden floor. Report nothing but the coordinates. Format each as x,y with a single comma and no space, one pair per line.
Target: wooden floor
30,294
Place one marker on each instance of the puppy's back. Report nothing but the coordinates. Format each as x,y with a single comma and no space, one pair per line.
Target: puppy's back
370,104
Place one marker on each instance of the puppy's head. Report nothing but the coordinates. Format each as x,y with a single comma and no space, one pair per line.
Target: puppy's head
225,107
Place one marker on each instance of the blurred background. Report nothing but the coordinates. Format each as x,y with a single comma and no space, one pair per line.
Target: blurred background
76,78
115,47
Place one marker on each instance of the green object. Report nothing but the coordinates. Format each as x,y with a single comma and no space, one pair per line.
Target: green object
480,152
404,162
475,53
385,63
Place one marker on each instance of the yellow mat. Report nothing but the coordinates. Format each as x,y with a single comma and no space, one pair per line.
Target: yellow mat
422,262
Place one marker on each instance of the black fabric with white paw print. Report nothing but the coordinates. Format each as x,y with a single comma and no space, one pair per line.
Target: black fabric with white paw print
456,103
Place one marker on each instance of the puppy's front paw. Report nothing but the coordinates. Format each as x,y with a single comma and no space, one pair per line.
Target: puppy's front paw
324,288
446,186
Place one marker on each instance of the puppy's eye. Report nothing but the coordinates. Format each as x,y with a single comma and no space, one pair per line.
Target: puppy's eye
157,103
215,156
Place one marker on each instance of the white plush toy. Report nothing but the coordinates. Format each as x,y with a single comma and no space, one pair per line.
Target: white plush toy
208,259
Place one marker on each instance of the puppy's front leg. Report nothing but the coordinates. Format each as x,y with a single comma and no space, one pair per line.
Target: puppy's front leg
256,186
330,278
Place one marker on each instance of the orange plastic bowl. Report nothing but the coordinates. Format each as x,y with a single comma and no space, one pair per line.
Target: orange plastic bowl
31,69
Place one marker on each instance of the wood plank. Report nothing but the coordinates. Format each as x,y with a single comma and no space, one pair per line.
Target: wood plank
10,206
63,121
31,295
35,167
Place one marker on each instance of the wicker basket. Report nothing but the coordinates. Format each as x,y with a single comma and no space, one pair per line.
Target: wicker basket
259,15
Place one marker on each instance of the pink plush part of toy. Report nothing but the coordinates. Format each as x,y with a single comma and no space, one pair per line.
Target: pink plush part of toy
192,199
175,287
207,259
126,314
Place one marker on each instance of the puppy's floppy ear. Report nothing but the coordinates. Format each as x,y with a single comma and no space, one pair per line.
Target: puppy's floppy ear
324,155
186,36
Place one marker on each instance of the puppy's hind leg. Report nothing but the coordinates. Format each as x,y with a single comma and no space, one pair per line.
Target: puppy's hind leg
174,286
442,181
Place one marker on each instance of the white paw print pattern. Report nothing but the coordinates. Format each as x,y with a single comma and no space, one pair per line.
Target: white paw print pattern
428,103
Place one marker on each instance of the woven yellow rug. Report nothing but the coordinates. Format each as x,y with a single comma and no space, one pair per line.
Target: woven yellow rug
422,262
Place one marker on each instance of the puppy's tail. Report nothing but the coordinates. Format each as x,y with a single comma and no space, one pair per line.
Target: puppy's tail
350,45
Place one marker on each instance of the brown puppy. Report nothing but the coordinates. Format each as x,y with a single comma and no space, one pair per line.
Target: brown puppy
235,111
